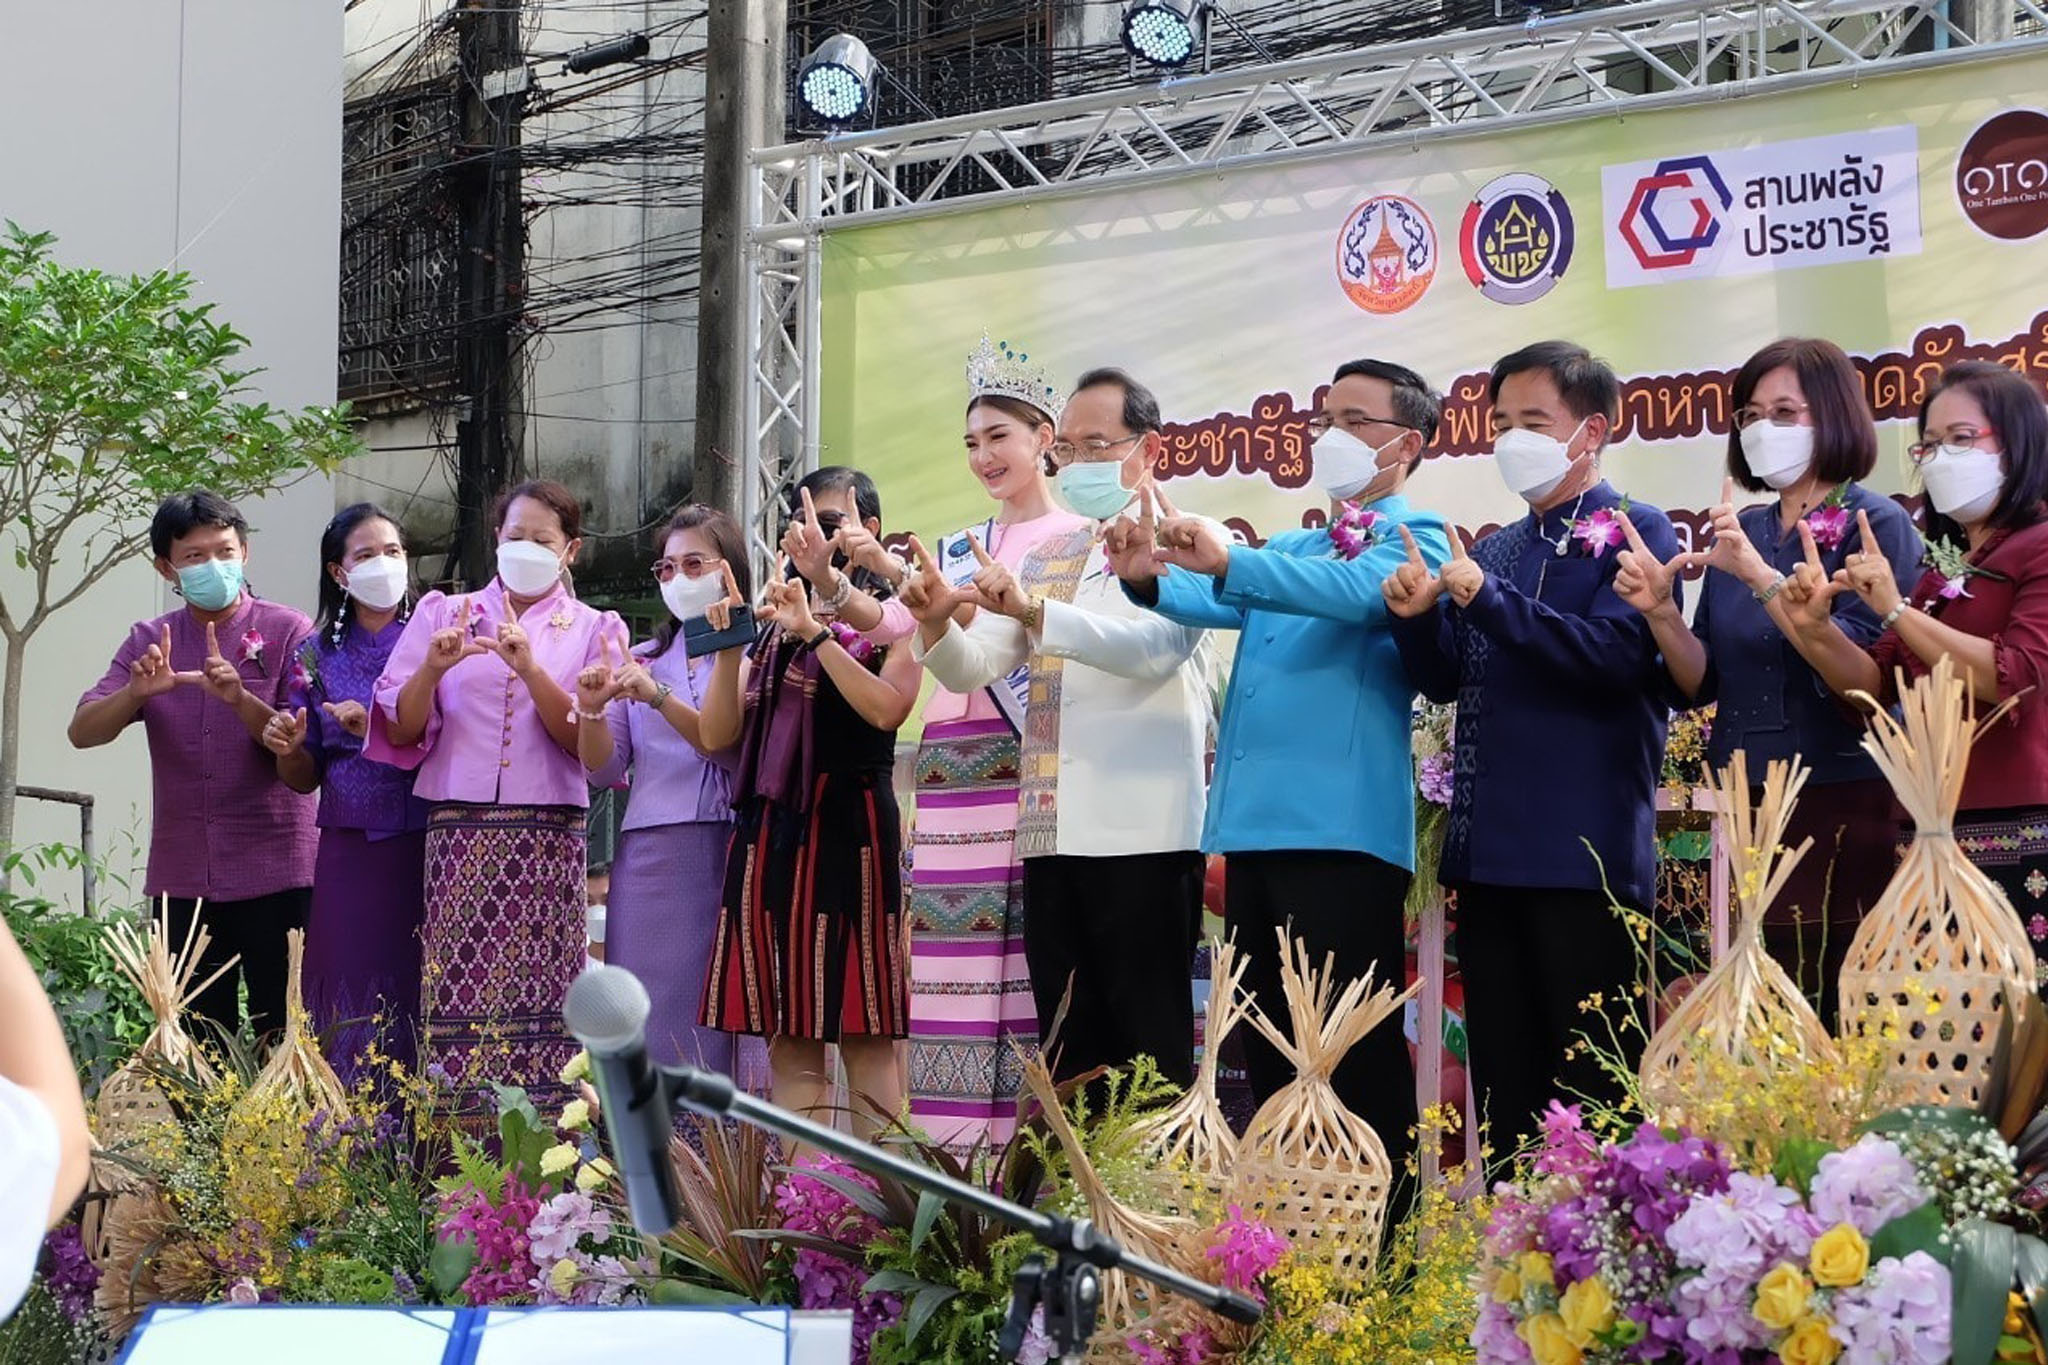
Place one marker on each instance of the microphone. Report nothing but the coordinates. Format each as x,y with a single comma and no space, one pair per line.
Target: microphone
607,1009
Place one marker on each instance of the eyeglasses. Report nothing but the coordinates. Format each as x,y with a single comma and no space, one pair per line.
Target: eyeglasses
689,566
1779,415
1323,421
1065,453
1920,452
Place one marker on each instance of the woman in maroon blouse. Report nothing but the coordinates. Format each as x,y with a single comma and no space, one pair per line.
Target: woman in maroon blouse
1983,456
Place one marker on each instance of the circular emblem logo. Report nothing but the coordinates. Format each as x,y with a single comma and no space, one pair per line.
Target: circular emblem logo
1386,254
2002,175
1516,239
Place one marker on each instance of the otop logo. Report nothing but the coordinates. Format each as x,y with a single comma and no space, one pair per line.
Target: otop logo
1674,213
2002,176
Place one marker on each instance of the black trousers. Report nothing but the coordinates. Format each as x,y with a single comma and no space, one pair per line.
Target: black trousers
1529,959
1349,905
255,931
1122,933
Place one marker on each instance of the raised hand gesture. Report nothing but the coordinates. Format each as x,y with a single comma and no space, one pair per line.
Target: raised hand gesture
285,732
719,614
450,645
513,645
807,545
1130,544
1411,589
930,598
1730,550
597,683
789,604
631,679
1462,577
995,585
1189,542
1641,579
1809,594
351,716
219,677
863,550
1867,573
151,674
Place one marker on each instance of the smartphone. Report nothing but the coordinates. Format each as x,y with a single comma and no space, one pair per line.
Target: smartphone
700,639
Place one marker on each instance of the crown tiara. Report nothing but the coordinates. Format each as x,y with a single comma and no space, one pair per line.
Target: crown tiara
996,371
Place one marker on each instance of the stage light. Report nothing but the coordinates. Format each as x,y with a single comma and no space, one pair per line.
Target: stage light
1162,32
836,83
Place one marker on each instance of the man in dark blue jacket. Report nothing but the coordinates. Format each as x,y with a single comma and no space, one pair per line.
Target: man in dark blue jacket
1559,742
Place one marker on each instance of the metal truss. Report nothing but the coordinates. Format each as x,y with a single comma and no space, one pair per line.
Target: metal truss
1641,56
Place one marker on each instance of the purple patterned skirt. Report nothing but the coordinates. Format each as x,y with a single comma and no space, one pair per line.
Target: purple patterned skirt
504,937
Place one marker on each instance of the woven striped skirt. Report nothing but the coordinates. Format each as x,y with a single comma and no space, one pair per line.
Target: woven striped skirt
504,937
970,990
810,927
2010,845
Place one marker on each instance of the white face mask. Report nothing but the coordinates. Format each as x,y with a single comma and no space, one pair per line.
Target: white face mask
688,598
379,583
1531,464
1963,482
1344,466
528,568
1780,456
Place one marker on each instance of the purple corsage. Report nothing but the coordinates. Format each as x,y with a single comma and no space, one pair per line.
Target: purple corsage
1355,532
859,646
1829,522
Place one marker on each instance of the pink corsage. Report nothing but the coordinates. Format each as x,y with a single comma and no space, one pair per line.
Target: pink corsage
1599,531
853,642
1355,532
1951,564
252,648
304,671
1829,522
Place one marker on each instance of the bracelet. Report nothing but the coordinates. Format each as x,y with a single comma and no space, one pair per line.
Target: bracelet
1034,613
577,713
839,595
818,640
1891,618
1777,586
662,692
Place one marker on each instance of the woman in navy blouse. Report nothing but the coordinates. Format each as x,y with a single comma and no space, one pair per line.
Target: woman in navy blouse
1801,430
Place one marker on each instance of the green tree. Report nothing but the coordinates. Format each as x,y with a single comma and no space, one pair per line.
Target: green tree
116,391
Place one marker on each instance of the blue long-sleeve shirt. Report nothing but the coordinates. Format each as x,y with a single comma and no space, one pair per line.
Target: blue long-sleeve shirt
1772,703
1561,712
1314,750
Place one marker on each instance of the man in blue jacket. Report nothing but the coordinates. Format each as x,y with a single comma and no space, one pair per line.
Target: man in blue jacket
1312,801
1559,743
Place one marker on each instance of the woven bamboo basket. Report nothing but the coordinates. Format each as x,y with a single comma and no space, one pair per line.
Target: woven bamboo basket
1307,1166
129,1100
296,1066
1168,1239
1938,959
1190,1143
1747,1011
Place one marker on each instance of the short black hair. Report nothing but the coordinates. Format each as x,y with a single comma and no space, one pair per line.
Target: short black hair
1416,404
1585,382
2020,418
1141,408
837,478
181,514
1844,433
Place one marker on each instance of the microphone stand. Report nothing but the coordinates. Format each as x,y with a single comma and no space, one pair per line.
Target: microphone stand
1069,1289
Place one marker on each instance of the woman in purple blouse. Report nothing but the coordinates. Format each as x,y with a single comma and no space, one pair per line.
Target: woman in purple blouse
663,903
363,937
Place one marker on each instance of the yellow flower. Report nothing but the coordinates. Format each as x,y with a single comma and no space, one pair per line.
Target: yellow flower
1550,1342
1587,1308
1840,1257
1809,1344
557,1159
563,1277
1781,1297
593,1175
1507,1287
575,1115
1535,1269
577,1069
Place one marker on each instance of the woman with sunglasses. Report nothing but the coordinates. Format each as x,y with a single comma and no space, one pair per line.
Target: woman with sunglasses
1983,459
1801,430
663,901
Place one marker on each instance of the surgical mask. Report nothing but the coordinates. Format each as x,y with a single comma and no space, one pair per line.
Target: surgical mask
379,583
1963,482
688,598
1095,489
1532,464
213,585
528,568
1780,456
1344,466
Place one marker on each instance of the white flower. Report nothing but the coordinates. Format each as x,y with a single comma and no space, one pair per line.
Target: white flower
575,1115
557,1159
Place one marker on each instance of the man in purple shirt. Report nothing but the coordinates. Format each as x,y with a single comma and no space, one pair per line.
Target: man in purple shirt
229,841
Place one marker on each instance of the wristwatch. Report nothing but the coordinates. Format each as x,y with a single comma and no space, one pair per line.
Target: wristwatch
818,640
1034,613
662,692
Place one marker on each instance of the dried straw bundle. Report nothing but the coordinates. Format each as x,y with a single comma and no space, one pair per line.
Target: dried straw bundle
130,1100
1165,1238
136,1227
1747,1011
296,1068
1190,1143
1942,955
1308,1166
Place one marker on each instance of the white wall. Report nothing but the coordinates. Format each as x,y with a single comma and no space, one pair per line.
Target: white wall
204,133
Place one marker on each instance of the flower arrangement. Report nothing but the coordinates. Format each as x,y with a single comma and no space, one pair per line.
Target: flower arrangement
1434,729
1685,753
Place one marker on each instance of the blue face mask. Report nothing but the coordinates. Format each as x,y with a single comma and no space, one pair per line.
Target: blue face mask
1095,489
212,585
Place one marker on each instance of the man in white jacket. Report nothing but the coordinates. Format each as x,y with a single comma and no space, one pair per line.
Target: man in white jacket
1115,738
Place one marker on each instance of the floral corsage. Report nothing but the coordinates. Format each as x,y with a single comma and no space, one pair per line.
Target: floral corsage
1952,563
252,649
1829,522
1355,532
1600,531
853,642
305,670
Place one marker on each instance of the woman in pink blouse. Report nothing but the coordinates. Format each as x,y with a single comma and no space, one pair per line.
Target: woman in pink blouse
479,697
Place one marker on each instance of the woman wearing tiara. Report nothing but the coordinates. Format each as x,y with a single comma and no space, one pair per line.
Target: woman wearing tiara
970,991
